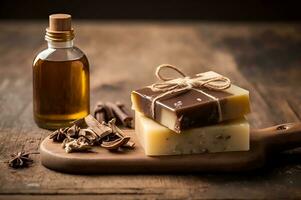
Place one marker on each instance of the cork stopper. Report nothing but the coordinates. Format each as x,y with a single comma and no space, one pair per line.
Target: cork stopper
59,29
59,22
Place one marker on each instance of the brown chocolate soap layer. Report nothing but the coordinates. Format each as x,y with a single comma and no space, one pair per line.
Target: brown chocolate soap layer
192,108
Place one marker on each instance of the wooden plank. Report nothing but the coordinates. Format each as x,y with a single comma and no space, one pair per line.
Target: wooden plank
263,143
246,53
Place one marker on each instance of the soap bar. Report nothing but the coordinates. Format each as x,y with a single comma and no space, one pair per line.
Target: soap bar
193,108
158,140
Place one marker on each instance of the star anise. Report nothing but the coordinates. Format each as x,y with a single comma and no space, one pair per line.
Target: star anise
20,159
59,135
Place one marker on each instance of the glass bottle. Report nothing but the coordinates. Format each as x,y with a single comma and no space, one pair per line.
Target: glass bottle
61,91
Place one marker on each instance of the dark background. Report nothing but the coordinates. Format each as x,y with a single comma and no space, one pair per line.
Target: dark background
221,10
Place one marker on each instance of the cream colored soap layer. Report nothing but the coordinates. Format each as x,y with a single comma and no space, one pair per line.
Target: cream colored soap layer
159,140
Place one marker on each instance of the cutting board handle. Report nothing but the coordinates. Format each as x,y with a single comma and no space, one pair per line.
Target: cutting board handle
281,137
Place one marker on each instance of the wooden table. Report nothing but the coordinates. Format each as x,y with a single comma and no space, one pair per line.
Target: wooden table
263,58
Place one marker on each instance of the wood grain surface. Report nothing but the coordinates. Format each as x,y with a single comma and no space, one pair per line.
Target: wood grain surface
263,143
263,58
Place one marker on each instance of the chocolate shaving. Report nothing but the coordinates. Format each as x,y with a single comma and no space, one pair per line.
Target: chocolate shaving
129,145
76,145
88,132
100,129
99,112
113,145
80,122
125,119
114,128
104,112
109,112
73,131
110,137
123,108
90,135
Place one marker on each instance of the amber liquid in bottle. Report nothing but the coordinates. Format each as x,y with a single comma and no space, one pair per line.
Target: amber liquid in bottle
60,79
61,92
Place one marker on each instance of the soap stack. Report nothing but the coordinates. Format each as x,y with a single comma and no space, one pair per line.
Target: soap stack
172,119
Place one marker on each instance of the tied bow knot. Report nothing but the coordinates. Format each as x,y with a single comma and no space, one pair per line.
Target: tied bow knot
173,84
170,86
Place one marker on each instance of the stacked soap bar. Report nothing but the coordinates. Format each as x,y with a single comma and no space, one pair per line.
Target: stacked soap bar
193,108
196,120
159,140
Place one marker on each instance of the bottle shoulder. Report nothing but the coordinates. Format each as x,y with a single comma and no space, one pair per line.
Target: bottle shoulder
60,54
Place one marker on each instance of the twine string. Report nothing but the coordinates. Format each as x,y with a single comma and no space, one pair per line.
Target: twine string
185,83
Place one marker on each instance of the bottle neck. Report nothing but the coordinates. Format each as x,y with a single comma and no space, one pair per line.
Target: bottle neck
57,45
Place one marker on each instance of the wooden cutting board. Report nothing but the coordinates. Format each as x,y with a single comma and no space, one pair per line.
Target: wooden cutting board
263,142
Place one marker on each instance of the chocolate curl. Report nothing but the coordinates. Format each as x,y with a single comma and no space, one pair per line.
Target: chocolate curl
103,112
130,145
113,145
126,111
99,112
121,140
124,117
109,112
123,108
